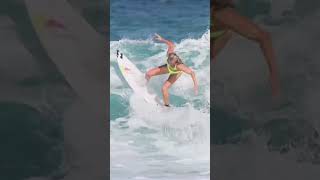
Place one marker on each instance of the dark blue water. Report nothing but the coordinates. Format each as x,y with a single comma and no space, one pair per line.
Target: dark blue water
174,19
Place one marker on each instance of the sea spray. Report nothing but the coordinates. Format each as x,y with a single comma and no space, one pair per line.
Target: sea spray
176,137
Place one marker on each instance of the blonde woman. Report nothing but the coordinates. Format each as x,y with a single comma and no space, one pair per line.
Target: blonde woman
174,67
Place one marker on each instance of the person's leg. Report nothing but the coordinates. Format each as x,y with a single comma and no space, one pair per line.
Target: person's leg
156,71
229,18
165,88
219,44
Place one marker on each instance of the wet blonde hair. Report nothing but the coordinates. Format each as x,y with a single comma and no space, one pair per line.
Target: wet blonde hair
172,57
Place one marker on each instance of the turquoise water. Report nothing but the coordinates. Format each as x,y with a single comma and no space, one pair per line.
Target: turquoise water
151,142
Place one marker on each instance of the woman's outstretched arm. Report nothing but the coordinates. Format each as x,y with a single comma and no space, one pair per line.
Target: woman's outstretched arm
189,71
169,43
243,26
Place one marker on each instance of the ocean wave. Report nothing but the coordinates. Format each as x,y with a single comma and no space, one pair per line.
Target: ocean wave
157,135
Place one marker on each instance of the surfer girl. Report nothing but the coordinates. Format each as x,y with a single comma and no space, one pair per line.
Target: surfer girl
174,67
225,21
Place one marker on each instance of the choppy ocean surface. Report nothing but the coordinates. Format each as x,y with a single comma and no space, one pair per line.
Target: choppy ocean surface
174,19
149,143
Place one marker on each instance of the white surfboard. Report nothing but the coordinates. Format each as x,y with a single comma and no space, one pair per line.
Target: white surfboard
73,45
78,51
135,78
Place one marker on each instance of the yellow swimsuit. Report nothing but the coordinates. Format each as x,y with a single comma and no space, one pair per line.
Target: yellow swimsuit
173,70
